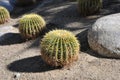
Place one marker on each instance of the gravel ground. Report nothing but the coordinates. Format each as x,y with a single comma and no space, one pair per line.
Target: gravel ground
21,60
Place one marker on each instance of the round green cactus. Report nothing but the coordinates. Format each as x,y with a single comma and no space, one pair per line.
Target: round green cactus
31,25
89,7
4,15
59,48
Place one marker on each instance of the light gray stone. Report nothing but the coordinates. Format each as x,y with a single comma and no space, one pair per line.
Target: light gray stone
104,36
17,75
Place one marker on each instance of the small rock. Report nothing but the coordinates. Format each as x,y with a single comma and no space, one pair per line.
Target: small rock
68,69
17,75
65,77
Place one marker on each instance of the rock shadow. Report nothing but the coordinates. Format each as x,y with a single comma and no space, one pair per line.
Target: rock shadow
11,38
31,64
95,54
83,40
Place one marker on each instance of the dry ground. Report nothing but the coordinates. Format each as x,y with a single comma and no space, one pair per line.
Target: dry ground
21,60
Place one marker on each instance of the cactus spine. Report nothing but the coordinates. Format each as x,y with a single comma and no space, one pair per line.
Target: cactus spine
31,25
59,48
4,15
89,7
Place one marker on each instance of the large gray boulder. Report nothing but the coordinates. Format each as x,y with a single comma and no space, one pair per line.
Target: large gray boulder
104,36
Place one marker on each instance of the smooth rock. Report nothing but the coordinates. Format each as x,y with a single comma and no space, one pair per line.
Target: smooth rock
17,75
104,36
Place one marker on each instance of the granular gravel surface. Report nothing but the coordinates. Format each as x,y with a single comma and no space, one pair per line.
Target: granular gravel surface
21,60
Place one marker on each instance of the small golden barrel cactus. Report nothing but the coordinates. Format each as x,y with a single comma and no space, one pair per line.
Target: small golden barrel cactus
4,15
31,25
89,7
59,48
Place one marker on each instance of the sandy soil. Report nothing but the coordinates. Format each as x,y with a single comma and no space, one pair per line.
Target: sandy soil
21,60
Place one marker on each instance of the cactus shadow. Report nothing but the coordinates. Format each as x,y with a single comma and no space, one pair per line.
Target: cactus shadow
16,25
20,10
31,64
52,26
11,38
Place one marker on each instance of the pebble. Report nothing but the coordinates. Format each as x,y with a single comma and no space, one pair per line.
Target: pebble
17,75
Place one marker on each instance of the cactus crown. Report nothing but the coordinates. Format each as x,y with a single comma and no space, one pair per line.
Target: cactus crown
31,25
59,47
89,7
4,15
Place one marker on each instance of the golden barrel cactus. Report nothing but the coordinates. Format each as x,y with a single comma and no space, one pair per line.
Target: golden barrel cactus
31,25
4,15
59,48
89,7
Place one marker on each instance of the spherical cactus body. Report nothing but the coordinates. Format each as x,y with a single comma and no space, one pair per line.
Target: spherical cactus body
31,25
89,7
4,15
59,48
